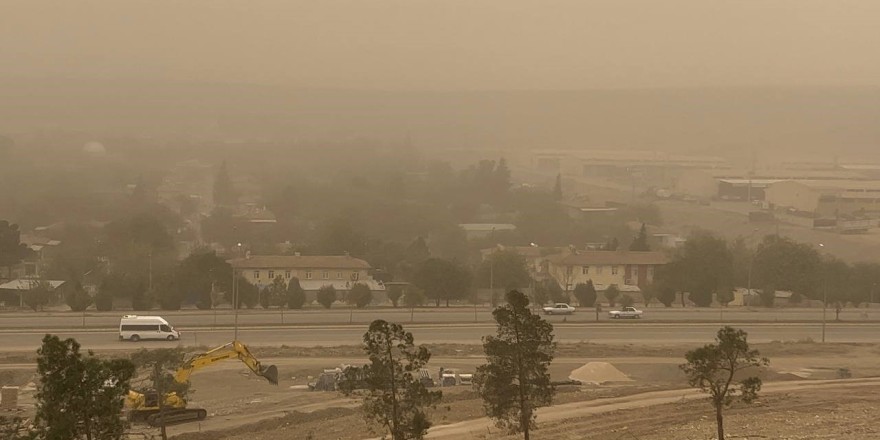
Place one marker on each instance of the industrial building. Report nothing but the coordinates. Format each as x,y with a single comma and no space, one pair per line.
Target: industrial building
827,198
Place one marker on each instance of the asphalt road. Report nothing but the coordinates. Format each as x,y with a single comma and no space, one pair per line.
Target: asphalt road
192,319
616,332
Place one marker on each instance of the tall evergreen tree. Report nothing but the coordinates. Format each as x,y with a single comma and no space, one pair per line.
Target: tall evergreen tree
501,178
224,191
516,380
395,396
640,243
557,189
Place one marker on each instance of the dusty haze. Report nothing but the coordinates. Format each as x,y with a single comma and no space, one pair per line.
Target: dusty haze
691,75
450,44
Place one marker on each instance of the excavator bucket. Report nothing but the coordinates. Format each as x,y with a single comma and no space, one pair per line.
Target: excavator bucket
270,373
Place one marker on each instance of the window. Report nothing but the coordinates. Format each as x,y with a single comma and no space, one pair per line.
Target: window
140,327
308,275
256,274
599,269
271,274
165,328
325,275
338,275
287,274
586,270
613,270
354,276
650,273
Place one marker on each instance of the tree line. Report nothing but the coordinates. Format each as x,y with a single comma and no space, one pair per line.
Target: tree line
708,267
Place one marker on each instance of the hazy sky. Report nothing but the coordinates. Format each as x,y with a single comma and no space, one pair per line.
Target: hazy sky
448,44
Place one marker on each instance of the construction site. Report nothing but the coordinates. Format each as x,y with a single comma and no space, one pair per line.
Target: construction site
603,392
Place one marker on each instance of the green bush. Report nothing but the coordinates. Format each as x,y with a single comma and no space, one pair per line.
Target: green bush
78,299
360,295
296,296
326,296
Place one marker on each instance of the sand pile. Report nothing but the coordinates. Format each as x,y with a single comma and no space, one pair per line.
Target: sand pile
598,373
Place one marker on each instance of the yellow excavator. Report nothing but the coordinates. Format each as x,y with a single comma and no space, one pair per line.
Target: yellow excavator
144,407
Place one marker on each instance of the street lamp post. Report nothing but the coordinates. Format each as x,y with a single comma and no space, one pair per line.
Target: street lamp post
824,295
234,304
235,293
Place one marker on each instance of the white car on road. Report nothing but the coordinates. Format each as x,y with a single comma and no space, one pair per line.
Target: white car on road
558,309
626,312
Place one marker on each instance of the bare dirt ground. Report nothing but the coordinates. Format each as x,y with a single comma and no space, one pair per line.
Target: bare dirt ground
804,397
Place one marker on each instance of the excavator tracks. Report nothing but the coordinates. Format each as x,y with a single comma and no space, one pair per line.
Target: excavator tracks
176,416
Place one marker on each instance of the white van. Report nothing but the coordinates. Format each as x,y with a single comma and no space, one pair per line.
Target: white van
134,328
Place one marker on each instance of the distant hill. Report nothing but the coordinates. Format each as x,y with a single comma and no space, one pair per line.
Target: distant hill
824,121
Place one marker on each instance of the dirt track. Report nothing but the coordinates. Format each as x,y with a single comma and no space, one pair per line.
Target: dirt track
571,418
656,404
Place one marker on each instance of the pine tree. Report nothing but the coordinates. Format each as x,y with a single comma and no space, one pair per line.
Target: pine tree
224,191
640,243
501,178
714,367
395,396
557,189
516,379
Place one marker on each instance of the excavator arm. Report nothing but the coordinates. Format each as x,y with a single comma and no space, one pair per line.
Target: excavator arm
145,406
232,350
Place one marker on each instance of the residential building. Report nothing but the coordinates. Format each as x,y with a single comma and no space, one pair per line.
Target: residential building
629,270
483,230
669,240
313,272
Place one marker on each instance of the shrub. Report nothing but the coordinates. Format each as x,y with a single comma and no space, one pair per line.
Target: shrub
360,295
78,299
414,297
611,294
394,295
296,296
104,299
326,296
585,294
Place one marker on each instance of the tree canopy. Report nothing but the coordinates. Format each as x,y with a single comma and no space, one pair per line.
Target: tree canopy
442,280
701,266
515,379
79,397
715,368
394,396
505,269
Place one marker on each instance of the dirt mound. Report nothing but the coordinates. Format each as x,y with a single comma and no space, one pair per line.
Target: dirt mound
598,373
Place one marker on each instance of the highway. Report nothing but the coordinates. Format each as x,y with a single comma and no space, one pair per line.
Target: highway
429,315
629,332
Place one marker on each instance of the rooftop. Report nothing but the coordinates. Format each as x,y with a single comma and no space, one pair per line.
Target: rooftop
588,258
487,226
299,262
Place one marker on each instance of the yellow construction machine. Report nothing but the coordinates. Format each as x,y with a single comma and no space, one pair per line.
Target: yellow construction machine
144,407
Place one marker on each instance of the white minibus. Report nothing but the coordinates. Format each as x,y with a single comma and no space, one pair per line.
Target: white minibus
134,328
